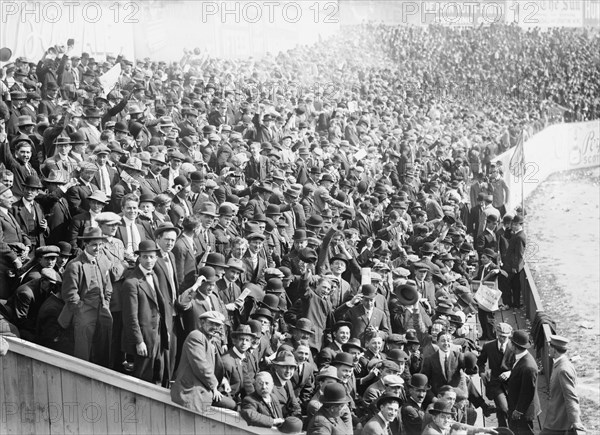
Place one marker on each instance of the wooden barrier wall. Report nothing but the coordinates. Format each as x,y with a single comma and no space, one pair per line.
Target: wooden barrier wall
533,305
46,392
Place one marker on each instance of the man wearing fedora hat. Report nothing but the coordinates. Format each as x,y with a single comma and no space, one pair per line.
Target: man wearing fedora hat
514,260
77,195
28,213
145,333
97,201
333,417
87,290
563,414
283,367
239,383
61,160
259,201
522,395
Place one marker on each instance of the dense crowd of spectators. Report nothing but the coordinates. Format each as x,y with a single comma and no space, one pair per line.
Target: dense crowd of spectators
295,237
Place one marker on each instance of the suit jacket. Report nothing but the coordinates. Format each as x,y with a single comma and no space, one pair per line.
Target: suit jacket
563,407
77,197
358,316
143,314
284,394
11,231
434,371
36,234
324,424
485,240
375,426
77,278
515,253
150,185
202,244
256,412
497,364
254,275
112,175
195,378
304,383
235,370
184,252
121,233
257,170
78,224
59,220
200,305
522,388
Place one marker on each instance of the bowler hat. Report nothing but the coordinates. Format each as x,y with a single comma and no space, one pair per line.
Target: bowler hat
427,248
65,248
388,397
326,177
274,285
343,359
419,381
518,219
33,182
407,294
208,273
337,325
334,394
291,425
308,255
270,302
314,221
352,343
263,312
520,338
369,291
398,355
305,325
442,407
299,235
147,246
166,226
214,259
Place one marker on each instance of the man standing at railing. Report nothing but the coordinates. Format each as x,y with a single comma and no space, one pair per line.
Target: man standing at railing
563,415
514,262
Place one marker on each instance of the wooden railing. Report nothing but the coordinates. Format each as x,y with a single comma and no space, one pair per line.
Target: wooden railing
44,392
533,305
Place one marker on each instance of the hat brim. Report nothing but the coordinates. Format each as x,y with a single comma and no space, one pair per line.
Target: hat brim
92,237
34,186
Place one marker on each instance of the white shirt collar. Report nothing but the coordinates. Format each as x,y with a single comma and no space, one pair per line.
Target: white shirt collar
238,353
520,355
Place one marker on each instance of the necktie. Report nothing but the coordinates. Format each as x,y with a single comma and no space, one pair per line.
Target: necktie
135,237
447,366
170,274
